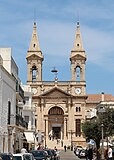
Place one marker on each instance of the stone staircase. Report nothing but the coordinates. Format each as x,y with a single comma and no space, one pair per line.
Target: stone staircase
52,143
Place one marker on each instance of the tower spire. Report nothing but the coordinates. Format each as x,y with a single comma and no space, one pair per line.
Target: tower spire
34,44
34,58
78,46
34,47
78,57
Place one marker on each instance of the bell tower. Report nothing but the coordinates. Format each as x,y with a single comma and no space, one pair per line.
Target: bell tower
34,59
78,58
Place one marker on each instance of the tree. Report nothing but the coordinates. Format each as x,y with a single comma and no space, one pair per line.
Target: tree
92,128
107,119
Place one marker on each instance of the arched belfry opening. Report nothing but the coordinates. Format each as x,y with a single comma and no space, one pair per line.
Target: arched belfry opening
56,122
34,73
78,73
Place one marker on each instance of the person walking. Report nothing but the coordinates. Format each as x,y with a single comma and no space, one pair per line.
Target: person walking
109,153
65,148
90,154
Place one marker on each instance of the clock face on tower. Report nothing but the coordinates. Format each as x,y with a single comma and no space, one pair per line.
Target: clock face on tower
77,90
34,90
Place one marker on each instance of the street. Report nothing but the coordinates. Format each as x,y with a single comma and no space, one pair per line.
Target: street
68,155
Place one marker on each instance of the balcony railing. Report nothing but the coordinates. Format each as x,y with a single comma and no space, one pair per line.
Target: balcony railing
21,122
19,90
29,107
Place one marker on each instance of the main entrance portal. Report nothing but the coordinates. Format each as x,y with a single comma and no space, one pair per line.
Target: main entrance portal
56,122
56,131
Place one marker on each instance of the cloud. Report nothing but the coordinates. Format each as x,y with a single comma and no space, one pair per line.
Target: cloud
56,26
99,45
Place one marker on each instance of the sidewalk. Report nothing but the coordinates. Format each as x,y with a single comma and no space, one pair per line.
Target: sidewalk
68,155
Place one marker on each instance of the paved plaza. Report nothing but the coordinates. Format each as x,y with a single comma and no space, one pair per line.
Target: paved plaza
68,155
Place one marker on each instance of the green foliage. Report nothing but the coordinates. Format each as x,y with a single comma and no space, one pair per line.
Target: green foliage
107,119
92,128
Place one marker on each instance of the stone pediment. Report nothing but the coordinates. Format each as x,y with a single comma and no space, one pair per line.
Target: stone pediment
55,92
79,56
34,55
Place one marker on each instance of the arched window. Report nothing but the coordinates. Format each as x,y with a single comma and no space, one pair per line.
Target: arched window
78,73
76,109
34,73
78,127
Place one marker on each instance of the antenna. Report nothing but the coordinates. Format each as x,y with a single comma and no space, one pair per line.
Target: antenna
34,15
78,17
55,71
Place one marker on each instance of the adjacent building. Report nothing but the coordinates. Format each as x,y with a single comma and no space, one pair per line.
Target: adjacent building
12,123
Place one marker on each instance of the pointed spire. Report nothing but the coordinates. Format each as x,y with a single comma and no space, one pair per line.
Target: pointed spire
34,47
34,44
78,46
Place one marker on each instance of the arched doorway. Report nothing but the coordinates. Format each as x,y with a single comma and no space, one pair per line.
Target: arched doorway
56,123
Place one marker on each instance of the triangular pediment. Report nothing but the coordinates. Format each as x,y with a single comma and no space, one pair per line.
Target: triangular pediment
79,56
55,92
34,55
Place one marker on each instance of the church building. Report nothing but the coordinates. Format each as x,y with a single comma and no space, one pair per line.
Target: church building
61,106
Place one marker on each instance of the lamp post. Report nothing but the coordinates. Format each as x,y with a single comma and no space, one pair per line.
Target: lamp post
102,156
102,110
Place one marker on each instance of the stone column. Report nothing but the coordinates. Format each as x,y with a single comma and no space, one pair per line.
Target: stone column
73,72
42,115
65,128
47,128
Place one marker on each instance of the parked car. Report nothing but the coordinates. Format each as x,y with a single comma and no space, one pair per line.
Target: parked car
39,154
50,154
6,156
82,153
56,154
78,151
23,156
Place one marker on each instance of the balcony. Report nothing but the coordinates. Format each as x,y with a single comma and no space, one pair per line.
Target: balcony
29,108
21,122
19,92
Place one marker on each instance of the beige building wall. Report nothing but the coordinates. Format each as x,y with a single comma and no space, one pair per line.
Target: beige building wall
61,106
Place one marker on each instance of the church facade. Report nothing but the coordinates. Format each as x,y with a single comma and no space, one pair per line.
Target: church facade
61,106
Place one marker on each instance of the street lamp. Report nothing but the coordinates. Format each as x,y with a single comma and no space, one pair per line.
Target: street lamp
101,110
102,156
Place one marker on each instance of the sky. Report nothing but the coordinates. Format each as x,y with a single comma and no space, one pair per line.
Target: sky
56,28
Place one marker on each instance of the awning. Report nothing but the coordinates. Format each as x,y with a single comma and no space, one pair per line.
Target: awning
29,136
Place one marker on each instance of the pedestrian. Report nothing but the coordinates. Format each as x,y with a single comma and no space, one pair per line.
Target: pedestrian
90,153
50,136
23,150
61,143
55,148
109,153
86,154
65,148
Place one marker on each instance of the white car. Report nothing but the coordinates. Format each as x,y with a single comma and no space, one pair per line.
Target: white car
23,156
